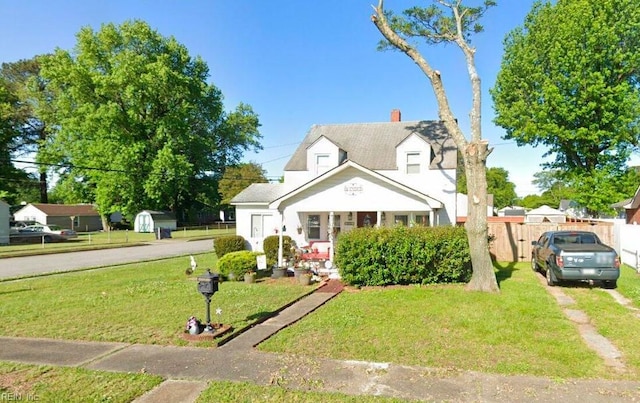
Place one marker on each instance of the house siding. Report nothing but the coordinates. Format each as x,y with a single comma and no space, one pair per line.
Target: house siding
633,216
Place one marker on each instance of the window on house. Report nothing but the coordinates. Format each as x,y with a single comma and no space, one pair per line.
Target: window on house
313,226
422,220
401,220
413,163
260,225
322,163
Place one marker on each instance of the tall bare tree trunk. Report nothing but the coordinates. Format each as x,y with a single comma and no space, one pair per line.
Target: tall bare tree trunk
483,277
474,151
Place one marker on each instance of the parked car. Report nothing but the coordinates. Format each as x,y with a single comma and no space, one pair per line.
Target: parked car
50,233
575,256
16,226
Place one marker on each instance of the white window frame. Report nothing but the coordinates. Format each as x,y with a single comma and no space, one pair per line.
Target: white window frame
413,163
323,163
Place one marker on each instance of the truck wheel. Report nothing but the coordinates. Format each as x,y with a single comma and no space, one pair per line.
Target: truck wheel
610,284
534,265
551,278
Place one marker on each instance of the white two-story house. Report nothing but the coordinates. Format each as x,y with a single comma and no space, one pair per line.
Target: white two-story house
344,176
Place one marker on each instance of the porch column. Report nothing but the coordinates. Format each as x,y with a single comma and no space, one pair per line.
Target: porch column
379,219
432,217
330,229
280,241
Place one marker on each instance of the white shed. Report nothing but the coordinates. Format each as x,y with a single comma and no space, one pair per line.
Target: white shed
545,214
150,221
5,217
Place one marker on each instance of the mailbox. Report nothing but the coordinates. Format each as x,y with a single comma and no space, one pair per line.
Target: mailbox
208,283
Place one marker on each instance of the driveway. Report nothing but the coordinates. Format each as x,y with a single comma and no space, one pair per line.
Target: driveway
32,265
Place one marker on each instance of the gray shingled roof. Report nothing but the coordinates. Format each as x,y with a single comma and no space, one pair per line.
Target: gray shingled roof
373,145
260,193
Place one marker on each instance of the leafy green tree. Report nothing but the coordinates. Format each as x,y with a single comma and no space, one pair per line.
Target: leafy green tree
16,185
534,201
503,190
238,177
25,84
553,187
498,185
139,126
569,82
451,23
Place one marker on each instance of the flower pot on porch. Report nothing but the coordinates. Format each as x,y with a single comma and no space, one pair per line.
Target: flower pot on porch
278,272
297,271
305,278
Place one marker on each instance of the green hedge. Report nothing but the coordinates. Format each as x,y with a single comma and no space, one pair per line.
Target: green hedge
228,243
237,263
402,255
270,247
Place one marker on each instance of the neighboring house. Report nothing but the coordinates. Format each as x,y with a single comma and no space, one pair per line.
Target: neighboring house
79,217
545,214
512,211
462,205
5,217
629,209
572,209
344,176
150,221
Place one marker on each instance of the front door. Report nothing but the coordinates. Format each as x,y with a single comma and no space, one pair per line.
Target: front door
367,219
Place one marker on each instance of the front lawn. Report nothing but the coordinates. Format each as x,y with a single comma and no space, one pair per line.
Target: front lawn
108,239
136,303
30,383
618,323
522,330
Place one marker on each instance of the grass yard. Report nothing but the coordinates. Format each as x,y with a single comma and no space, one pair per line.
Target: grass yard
23,382
522,330
619,324
29,383
137,303
112,239
231,392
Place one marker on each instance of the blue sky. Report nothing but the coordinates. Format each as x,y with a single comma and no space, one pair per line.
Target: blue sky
297,63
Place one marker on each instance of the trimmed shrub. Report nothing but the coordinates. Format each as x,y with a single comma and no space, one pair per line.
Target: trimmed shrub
402,255
228,243
270,247
237,263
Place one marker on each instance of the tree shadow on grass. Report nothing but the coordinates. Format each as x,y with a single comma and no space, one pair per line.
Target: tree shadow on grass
504,271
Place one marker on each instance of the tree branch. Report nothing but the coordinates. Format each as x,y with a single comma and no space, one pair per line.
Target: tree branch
381,22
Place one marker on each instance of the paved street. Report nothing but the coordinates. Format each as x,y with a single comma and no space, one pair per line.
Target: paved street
30,265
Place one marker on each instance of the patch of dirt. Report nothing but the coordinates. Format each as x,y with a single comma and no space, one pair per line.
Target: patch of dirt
333,285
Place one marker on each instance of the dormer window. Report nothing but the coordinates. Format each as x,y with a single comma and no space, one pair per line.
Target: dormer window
322,163
413,163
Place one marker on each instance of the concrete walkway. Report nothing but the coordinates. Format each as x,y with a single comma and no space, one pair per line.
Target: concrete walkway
188,369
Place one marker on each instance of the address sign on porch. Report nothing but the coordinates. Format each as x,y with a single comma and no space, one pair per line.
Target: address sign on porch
353,189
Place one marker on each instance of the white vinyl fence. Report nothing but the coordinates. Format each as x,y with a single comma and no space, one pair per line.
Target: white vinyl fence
627,243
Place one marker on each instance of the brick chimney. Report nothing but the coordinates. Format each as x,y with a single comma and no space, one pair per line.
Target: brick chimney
395,115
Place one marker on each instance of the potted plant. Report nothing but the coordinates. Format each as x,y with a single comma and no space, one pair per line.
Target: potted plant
300,268
305,278
278,272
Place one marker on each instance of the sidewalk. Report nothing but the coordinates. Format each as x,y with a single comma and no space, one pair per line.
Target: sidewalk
188,369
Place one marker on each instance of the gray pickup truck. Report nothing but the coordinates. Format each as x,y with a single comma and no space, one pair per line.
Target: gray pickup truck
575,256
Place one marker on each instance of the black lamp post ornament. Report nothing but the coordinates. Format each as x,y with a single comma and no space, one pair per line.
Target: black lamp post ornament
208,285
